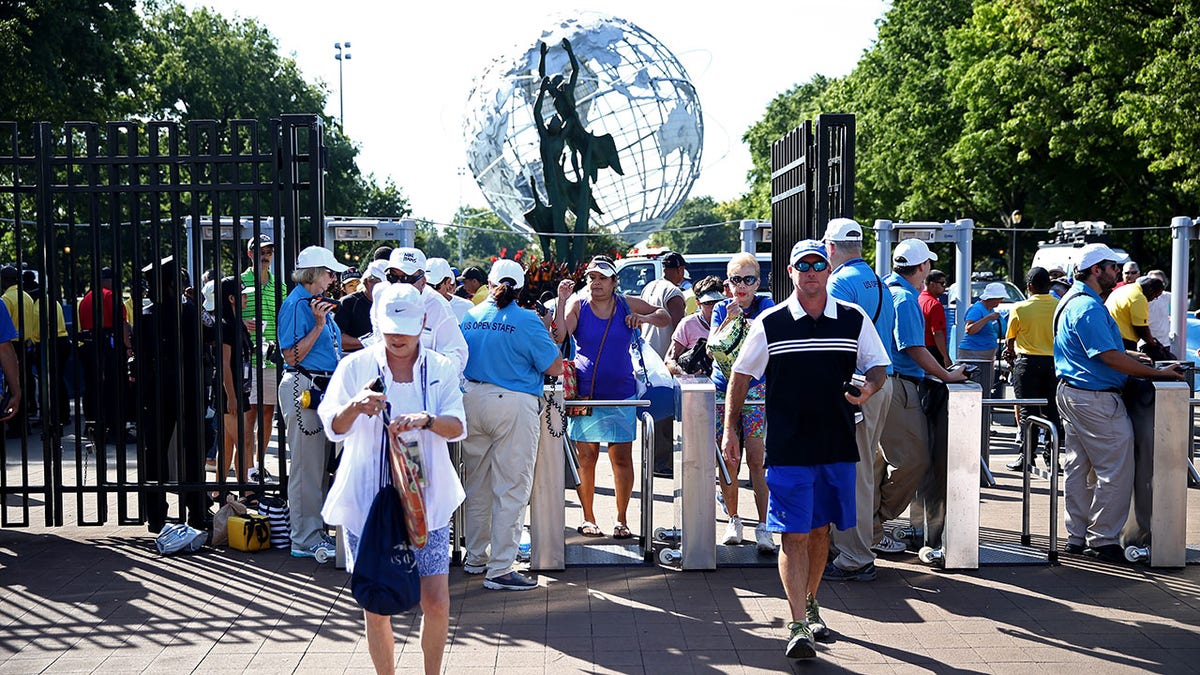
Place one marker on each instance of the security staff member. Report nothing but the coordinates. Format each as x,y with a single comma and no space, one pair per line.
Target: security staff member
1092,367
1029,347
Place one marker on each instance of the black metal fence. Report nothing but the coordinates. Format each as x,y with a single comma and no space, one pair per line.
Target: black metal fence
812,181
130,206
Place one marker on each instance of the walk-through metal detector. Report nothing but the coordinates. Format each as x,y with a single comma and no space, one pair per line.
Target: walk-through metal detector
1184,230
339,228
959,233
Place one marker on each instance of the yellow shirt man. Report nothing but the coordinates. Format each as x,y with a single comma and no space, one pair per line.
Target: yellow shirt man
1129,307
30,329
1031,325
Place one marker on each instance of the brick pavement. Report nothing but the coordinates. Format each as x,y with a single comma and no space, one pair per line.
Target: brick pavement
86,599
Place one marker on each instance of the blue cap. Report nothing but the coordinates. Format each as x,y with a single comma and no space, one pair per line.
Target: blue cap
807,247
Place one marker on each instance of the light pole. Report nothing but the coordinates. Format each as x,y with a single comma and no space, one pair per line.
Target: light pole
343,54
1014,260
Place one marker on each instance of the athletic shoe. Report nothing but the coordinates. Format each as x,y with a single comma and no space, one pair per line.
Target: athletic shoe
472,568
834,573
1108,553
513,581
889,545
323,551
733,531
800,645
267,478
812,613
766,544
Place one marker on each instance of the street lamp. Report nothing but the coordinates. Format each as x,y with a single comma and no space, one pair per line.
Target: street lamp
1014,261
343,54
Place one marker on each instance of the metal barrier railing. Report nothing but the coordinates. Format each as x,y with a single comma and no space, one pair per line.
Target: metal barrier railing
989,403
547,522
1027,452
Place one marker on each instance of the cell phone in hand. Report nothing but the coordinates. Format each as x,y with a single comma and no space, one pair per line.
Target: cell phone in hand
319,299
849,388
377,386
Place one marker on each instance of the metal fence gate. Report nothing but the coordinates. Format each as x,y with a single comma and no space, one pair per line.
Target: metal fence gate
85,205
812,181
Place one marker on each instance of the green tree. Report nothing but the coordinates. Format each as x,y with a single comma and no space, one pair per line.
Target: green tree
701,211
67,60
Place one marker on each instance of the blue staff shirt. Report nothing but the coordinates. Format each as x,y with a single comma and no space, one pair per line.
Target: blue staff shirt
508,347
855,281
910,326
987,337
296,319
8,332
1085,331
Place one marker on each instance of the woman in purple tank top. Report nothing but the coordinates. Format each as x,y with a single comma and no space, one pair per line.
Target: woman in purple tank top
603,326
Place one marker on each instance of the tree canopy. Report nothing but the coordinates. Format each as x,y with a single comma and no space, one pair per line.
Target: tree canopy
1063,109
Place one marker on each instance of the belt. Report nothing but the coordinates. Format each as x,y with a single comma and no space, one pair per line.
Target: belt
476,381
321,373
1110,390
908,378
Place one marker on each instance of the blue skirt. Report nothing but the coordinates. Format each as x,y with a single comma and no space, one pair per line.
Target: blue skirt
604,425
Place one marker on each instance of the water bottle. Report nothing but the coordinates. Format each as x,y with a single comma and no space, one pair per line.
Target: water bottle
523,548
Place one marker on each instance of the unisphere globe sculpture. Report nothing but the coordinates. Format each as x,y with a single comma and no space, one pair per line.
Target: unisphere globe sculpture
629,86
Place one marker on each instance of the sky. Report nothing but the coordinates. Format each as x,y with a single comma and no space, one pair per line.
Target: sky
412,66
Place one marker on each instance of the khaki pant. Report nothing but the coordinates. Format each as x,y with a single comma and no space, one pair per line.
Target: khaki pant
1099,465
498,455
904,446
854,545
308,474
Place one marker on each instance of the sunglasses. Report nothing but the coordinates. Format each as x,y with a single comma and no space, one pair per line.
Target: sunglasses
394,278
748,280
818,266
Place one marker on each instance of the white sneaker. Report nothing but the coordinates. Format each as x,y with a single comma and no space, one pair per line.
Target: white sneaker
766,544
733,531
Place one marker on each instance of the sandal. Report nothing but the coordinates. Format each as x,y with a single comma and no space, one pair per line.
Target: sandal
621,531
589,529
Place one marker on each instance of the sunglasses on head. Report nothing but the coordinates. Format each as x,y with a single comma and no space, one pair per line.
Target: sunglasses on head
818,266
395,278
748,280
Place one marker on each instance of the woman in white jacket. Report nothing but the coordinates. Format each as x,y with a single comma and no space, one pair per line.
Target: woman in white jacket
421,397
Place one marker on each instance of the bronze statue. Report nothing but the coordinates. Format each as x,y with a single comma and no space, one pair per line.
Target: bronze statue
588,154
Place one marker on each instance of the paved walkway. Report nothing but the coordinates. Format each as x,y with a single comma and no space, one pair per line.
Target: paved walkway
99,599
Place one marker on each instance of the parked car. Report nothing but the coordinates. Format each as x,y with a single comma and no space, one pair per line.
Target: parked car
634,272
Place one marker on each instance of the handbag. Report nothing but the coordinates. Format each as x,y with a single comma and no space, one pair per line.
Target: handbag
654,382
582,410
385,580
279,518
696,361
726,341
232,507
571,389
249,532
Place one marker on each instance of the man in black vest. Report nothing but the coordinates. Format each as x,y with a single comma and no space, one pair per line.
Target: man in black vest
808,347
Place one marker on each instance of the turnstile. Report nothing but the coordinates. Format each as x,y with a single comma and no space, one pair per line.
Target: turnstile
1157,527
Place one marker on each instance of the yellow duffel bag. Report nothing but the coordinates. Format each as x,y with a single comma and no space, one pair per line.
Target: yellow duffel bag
249,532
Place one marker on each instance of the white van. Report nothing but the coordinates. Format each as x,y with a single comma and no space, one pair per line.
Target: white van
635,272
1070,238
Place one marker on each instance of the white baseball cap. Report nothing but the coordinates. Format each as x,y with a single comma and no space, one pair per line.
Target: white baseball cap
407,260
601,265
377,270
1097,253
994,291
437,270
843,229
507,269
398,309
315,256
911,252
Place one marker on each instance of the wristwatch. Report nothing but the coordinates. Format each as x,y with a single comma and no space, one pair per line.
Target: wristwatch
429,420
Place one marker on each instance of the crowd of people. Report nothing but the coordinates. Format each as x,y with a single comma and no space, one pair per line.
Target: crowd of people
849,372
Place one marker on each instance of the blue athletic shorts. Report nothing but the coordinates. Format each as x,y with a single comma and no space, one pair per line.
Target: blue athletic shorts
805,498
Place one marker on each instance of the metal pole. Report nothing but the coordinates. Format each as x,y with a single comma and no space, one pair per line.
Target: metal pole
1181,239
883,247
749,229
